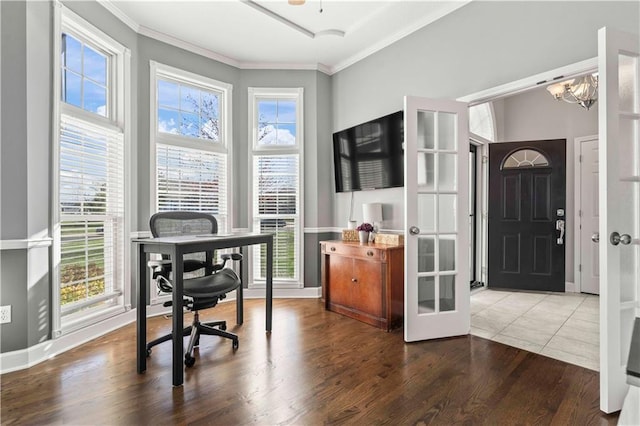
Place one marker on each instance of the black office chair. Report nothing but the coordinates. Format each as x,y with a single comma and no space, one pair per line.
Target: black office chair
201,292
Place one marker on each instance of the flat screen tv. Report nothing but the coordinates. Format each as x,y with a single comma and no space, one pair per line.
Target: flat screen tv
370,155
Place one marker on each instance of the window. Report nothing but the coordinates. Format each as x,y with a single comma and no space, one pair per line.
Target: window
481,121
525,158
89,205
276,132
191,143
84,75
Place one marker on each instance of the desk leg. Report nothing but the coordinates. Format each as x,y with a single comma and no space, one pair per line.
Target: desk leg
177,265
240,291
269,283
141,310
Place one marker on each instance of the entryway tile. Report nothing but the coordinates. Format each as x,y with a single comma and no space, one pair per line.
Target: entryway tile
561,326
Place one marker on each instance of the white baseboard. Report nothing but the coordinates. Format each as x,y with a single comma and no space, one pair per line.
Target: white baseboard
283,293
25,358
570,287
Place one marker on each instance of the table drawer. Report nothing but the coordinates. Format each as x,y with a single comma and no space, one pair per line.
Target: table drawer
359,251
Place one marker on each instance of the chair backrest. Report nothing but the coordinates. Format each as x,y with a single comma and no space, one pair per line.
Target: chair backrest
169,224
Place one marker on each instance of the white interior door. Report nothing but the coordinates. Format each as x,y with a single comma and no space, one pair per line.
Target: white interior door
587,187
436,219
619,133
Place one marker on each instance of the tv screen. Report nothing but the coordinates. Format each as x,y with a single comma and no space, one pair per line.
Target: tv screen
370,155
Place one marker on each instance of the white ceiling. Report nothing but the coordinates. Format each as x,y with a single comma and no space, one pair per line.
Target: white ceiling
274,34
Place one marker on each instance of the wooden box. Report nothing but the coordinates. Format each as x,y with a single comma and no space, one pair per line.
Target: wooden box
390,239
350,235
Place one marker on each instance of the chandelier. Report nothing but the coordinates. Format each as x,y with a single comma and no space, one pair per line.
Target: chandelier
580,90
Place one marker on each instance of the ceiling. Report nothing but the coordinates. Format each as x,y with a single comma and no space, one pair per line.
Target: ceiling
327,35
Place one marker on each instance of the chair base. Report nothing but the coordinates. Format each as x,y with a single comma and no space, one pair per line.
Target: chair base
197,328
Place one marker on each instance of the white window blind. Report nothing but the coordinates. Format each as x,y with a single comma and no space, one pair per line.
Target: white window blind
276,201
192,179
91,194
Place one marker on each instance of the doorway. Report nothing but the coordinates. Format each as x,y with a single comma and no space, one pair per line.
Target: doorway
526,234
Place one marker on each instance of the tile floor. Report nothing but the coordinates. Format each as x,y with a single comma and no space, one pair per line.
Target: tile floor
563,326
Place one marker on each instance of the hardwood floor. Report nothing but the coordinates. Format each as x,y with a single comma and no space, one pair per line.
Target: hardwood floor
316,367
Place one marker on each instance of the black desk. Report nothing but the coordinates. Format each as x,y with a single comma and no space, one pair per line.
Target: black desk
175,248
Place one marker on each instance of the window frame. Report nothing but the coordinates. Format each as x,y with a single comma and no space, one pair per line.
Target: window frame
224,145
296,94
117,117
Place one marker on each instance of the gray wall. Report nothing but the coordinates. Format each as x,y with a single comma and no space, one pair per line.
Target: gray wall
479,46
24,172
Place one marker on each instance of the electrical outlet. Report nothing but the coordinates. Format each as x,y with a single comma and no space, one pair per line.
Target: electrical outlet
5,314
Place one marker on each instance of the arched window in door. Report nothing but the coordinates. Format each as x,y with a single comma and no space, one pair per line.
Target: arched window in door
525,158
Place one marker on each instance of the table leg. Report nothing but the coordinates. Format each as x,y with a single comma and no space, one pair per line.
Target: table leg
177,267
239,291
269,283
141,309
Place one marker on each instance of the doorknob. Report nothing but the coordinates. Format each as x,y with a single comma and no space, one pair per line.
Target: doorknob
616,238
595,237
414,230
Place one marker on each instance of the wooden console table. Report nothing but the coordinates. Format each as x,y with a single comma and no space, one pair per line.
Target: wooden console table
364,281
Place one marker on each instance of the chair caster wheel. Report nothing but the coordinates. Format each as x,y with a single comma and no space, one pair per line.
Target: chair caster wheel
235,345
189,361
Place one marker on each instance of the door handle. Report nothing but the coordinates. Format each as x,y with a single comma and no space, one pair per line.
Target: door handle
595,237
560,227
414,230
616,239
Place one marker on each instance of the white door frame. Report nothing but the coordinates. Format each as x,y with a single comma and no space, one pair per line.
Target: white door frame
577,184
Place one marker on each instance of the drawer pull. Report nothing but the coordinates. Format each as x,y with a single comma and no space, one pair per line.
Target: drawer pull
369,253
332,248
354,280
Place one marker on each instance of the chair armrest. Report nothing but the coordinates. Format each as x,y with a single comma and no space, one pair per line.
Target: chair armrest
232,256
160,263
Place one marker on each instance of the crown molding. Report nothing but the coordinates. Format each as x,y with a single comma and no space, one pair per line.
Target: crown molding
110,5
157,35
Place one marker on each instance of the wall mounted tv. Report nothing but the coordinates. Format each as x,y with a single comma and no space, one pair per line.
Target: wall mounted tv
370,155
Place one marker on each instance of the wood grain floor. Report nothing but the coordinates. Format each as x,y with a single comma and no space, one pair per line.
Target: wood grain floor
316,367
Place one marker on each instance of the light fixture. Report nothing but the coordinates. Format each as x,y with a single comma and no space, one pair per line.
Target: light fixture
296,2
580,90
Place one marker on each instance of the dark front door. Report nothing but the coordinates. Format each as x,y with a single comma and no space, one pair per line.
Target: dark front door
526,214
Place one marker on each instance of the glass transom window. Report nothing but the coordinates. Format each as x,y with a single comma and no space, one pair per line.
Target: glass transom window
276,122
84,76
188,111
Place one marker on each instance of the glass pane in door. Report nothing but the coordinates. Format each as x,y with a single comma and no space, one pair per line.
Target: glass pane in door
426,130
426,254
426,171
447,172
446,131
427,212
447,293
426,295
627,83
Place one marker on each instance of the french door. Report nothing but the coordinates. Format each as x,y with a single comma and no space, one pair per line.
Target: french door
436,219
619,188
